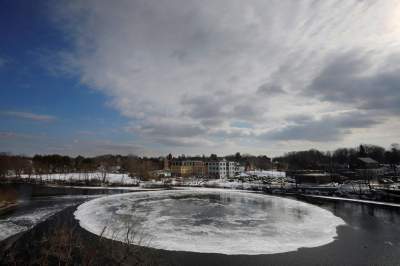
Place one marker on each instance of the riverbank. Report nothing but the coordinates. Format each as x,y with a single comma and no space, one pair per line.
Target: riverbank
371,236
6,207
59,239
360,201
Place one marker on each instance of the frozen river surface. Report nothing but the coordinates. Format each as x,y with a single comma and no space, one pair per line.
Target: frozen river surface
210,221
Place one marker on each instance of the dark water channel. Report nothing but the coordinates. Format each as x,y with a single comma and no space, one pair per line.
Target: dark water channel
371,236
35,203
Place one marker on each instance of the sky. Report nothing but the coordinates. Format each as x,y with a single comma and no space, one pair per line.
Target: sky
151,77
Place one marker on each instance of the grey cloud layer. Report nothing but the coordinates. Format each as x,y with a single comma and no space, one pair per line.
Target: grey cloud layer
354,79
195,69
325,128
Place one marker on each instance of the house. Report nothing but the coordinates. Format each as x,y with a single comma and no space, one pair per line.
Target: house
185,168
367,168
365,163
221,168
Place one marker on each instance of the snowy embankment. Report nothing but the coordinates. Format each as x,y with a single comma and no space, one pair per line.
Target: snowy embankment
110,178
223,183
356,200
265,173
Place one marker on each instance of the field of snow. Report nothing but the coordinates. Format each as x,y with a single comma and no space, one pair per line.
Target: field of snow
111,178
210,221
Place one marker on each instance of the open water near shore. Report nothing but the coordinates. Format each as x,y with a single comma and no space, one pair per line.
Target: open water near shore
370,235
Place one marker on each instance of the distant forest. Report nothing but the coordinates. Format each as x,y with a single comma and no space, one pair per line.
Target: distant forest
141,166
338,159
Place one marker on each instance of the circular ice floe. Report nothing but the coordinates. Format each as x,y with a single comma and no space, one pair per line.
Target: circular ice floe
209,221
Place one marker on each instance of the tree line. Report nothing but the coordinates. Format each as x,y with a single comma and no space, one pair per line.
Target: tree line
313,159
340,158
16,165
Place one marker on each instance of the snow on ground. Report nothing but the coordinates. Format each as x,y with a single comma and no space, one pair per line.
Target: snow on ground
132,188
112,178
229,184
211,221
353,187
264,173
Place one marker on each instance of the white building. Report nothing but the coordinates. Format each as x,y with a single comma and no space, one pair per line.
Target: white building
221,169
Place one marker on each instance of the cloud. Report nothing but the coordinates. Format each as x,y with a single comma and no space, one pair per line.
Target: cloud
29,116
358,81
329,127
30,144
10,135
184,142
270,89
169,129
108,147
212,110
188,69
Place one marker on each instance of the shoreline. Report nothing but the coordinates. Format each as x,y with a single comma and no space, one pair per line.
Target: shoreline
371,202
39,189
8,208
27,246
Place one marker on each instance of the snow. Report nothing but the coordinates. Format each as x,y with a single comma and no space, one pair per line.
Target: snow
134,188
357,200
111,178
8,228
263,173
229,184
211,221
353,186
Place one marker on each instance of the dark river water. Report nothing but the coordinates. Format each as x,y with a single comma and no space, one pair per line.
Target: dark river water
37,202
291,234
371,236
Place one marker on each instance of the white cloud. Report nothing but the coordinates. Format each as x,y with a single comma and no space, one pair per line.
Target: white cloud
29,116
180,65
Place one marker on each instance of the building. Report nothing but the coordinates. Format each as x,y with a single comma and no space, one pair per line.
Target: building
185,168
368,169
365,163
221,169
167,162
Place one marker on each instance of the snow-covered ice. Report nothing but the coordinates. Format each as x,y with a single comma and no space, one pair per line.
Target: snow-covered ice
210,221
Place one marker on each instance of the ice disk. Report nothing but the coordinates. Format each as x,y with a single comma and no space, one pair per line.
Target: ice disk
210,221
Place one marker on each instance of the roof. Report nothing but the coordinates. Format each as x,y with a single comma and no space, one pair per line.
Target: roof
367,160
